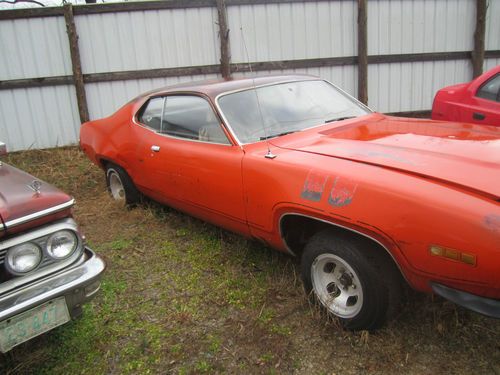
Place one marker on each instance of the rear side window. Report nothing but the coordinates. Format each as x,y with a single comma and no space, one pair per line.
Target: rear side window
150,114
183,116
490,89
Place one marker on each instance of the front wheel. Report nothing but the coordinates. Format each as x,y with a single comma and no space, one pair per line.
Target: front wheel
348,280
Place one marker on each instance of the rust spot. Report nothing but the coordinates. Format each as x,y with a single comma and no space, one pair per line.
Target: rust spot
314,185
342,192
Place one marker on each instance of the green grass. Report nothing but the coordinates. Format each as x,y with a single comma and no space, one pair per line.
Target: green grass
181,296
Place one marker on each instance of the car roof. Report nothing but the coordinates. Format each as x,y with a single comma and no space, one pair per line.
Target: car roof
215,87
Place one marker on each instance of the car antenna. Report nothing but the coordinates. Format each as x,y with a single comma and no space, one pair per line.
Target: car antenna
269,154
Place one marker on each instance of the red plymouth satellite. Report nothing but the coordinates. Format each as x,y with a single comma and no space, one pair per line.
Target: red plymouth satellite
46,271
366,200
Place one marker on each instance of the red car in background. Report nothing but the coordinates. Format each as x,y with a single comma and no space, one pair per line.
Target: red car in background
476,102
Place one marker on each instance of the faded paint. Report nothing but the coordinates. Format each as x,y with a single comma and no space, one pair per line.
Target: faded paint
314,186
342,193
492,222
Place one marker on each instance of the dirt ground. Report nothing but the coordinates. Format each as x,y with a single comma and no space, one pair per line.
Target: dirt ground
181,296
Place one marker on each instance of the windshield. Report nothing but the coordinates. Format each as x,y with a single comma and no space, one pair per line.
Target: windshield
285,108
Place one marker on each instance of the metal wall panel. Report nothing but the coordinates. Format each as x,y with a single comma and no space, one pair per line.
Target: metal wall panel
112,42
106,97
402,87
490,63
38,47
293,30
35,47
492,40
38,117
418,26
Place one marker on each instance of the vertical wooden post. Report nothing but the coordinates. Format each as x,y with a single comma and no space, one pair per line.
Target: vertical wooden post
225,56
479,36
76,63
362,53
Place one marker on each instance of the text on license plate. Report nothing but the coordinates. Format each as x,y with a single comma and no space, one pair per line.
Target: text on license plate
31,323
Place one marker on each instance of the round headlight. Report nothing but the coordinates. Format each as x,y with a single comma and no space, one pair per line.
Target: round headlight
23,258
62,244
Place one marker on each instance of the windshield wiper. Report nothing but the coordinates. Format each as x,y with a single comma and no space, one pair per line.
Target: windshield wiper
339,119
278,135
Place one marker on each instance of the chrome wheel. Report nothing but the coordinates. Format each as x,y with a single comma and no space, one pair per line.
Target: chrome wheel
337,285
116,186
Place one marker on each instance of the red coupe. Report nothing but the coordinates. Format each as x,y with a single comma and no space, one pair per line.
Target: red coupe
365,199
477,102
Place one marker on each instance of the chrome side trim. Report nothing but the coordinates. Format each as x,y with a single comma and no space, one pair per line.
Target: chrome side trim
39,214
339,226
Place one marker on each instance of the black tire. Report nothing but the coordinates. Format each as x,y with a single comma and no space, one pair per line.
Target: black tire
350,280
120,185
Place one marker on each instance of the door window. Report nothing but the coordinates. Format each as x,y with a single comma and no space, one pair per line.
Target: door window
192,117
490,89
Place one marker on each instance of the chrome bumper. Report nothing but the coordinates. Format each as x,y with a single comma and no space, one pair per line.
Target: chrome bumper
486,306
77,284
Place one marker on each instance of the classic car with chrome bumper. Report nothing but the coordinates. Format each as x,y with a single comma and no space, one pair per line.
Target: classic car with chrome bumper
46,270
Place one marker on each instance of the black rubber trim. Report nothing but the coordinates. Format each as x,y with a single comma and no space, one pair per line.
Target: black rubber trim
486,306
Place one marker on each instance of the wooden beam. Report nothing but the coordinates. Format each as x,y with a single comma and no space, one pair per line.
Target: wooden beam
225,54
134,6
76,63
426,113
36,82
479,36
151,73
362,53
294,64
240,67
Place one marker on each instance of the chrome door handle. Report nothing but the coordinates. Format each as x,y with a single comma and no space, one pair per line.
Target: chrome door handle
155,148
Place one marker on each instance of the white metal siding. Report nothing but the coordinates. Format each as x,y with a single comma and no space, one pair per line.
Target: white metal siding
109,42
38,117
492,40
419,26
490,63
35,47
411,86
148,39
292,31
105,98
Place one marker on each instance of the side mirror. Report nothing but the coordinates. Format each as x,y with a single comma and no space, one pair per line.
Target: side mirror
3,149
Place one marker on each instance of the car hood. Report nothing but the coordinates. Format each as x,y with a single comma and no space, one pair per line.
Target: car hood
466,155
19,199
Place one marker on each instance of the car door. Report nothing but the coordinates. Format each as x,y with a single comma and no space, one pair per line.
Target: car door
187,160
483,107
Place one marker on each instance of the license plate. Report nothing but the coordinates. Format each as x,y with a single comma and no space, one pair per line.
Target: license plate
32,323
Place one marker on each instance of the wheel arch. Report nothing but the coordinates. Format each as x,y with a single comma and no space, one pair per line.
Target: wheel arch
294,240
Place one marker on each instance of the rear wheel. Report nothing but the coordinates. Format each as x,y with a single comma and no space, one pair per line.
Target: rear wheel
349,281
120,185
